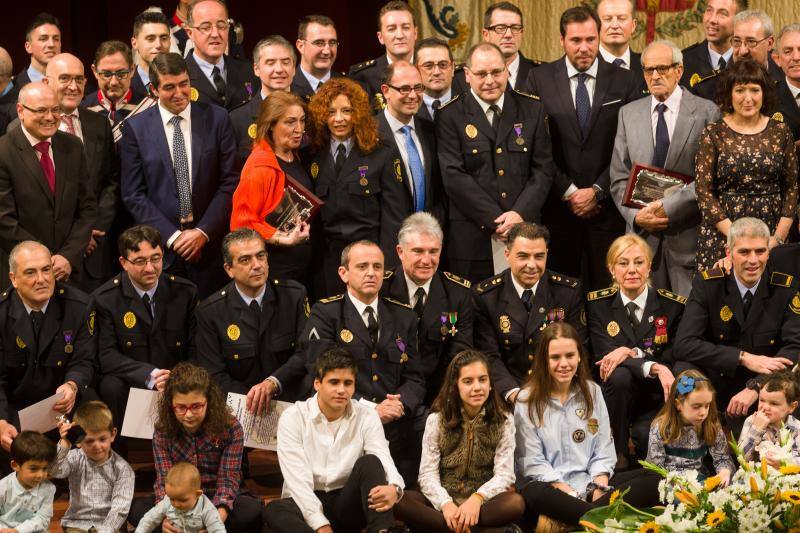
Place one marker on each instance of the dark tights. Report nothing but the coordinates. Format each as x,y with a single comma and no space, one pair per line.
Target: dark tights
419,515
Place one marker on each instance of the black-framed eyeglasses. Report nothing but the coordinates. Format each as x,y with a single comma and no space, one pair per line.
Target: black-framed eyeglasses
441,65
405,90
42,111
661,69
221,25
482,75
322,43
121,75
141,262
501,29
749,43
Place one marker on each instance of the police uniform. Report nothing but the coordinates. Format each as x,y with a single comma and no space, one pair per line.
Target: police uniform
508,334
705,86
65,351
240,83
697,64
243,119
632,397
445,327
132,342
460,84
487,173
302,88
241,349
368,74
787,108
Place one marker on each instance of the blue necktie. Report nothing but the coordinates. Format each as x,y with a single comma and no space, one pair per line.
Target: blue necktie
618,62
582,106
662,138
417,170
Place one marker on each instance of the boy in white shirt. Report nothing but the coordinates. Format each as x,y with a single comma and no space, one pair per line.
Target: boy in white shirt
26,496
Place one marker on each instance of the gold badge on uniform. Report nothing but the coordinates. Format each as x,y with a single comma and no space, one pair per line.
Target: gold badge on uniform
725,313
794,305
346,335
593,425
505,324
579,435
306,308
398,172
20,343
471,131
194,95
252,130
583,317
90,323
314,170
129,319
363,182
613,328
403,357
695,79
234,332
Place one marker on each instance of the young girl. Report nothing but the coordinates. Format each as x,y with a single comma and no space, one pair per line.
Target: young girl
777,401
565,452
193,424
687,428
467,457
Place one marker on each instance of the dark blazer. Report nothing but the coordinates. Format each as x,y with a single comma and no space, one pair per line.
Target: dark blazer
368,74
22,79
522,84
240,83
302,88
787,106
786,258
243,120
706,87
29,211
8,107
636,71
697,60
137,87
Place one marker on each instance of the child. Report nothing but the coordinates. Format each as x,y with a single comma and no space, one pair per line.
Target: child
467,457
26,496
777,401
687,428
100,481
185,505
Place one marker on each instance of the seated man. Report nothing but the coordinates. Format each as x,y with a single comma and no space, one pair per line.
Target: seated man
145,320
739,325
349,481
246,332
45,338
514,306
381,334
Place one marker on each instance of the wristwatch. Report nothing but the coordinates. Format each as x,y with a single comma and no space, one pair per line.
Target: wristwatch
753,384
599,193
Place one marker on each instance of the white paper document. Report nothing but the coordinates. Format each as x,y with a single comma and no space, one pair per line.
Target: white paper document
40,416
499,260
140,413
260,431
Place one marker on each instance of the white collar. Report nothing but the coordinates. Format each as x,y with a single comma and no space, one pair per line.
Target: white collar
361,306
412,286
715,56
316,413
247,299
33,140
29,309
673,101
640,300
742,288
485,105
166,115
394,123
442,99
151,292
609,57
519,288
572,71
313,81
794,90
206,65
513,67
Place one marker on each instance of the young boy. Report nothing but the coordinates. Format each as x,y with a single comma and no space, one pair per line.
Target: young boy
332,450
185,505
26,496
100,481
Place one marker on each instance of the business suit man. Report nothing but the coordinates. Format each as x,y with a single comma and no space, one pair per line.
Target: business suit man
582,97
180,180
788,88
669,226
50,201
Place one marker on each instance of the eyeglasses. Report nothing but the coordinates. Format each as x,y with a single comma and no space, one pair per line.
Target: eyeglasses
482,75
749,43
321,43
206,28
43,111
441,65
405,90
181,409
121,75
501,29
661,69
141,262
66,79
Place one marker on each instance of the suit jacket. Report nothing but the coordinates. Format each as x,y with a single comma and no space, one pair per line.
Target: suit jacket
634,144
787,105
243,118
302,88
29,211
137,87
8,107
635,68
706,87
240,83
522,83
22,79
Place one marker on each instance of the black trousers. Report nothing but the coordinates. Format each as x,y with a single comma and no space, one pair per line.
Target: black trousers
346,508
633,402
246,516
405,443
114,392
543,498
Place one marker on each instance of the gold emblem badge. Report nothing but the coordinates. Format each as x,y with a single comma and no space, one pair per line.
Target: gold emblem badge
194,95
363,182
346,335
520,141
90,323
234,332
580,412
129,319
403,357
307,308
794,305
471,131
725,313
579,435
20,343
398,171
583,317
593,425
695,79
505,324
68,348
314,170
612,328
252,130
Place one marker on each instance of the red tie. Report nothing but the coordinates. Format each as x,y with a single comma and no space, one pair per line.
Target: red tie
47,164
69,123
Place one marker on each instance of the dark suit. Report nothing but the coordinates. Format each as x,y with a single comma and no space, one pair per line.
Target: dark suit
369,74
787,106
243,120
240,83
522,83
445,327
150,192
508,334
633,399
137,86
487,173
302,88
582,159
706,87
635,68
8,107
29,211
22,79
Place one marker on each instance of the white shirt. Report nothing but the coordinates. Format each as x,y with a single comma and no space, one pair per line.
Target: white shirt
208,68
794,90
34,74
673,103
312,459
486,105
513,70
144,74
519,288
34,141
572,74
715,57
30,309
412,289
640,302
26,510
186,129
361,308
313,81
428,101
400,139
247,299
76,124
609,57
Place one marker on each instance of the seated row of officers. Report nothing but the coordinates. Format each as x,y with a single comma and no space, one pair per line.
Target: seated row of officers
259,337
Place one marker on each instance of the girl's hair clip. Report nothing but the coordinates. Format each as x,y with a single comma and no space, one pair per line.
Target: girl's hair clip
686,384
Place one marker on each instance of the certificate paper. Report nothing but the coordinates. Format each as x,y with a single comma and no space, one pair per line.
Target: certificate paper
499,260
140,413
40,416
260,431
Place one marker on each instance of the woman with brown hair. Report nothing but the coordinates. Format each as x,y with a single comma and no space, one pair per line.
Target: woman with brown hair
279,132
348,164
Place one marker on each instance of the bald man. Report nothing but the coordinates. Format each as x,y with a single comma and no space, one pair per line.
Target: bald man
45,189
8,91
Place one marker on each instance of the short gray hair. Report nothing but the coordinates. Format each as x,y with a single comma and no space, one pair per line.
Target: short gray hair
345,257
786,30
756,14
677,55
22,246
747,227
273,40
421,223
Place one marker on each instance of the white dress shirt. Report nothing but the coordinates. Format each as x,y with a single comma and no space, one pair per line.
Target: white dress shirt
486,105
641,302
361,308
591,80
34,141
519,288
715,57
144,74
609,57
313,81
673,103
513,71
412,290
400,139
428,101
316,454
208,68
169,130
794,90
34,74
76,124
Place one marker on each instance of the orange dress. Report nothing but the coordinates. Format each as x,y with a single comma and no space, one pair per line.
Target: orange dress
260,190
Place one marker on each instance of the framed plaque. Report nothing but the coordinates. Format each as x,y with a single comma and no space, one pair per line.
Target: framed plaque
648,183
297,205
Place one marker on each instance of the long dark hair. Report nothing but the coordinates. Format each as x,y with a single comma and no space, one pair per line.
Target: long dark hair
448,401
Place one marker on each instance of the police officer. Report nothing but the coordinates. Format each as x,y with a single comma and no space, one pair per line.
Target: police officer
514,306
246,332
495,159
442,301
739,325
713,53
144,318
381,333
46,338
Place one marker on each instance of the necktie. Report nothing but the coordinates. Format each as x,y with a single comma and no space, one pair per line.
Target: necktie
419,305
219,83
632,308
372,324
341,155
618,62
148,304
747,300
527,294
435,105
112,110
319,86
797,99
69,123
722,63
662,137
46,163
495,115
417,170
582,106
181,165
37,318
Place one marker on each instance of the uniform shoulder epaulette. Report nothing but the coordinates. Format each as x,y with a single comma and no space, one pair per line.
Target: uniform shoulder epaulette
697,78
489,284
331,299
71,293
287,284
561,279
387,274
395,302
113,283
457,279
180,281
692,46
459,66
528,95
781,279
212,298
358,67
447,103
240,105
5,294
602,293
672,296
713,273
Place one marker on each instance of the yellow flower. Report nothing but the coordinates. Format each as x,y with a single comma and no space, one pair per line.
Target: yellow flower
648,527
687,498
790,469
716,518
614,496
753,485
711,483
589,525
792,497
763,468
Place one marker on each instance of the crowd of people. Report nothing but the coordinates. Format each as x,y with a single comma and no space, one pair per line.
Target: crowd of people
441,265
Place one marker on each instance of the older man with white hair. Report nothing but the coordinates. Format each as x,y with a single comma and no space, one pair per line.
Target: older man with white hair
787,56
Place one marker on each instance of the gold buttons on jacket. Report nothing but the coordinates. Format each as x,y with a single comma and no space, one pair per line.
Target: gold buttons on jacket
501,172
375,377
499,150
